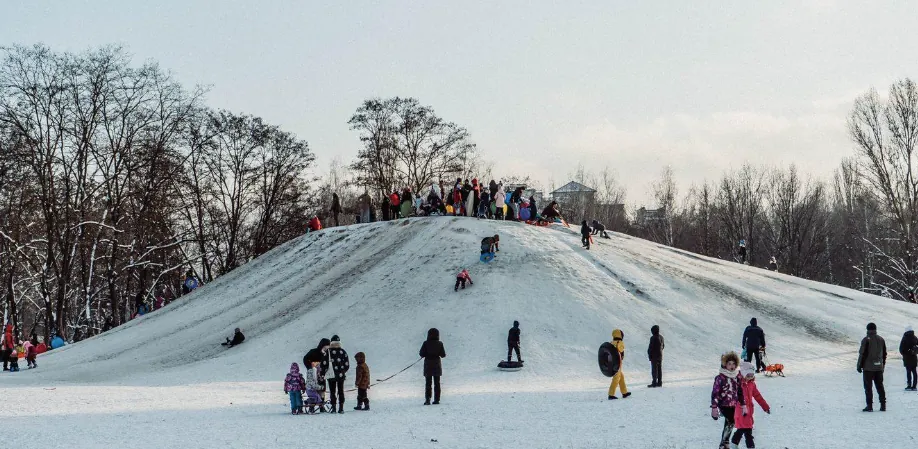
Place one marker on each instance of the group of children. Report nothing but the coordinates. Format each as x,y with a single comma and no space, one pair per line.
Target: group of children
587,232
10,352
732,397
313,384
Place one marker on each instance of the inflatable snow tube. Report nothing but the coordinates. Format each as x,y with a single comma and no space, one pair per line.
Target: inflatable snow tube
608,359
57,342
524,214
510,366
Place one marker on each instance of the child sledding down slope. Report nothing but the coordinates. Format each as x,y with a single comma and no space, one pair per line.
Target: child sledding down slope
726,395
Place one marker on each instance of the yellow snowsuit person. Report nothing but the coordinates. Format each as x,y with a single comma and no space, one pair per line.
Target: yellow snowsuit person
618,381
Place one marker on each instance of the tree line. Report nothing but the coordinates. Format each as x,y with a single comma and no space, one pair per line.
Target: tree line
115,180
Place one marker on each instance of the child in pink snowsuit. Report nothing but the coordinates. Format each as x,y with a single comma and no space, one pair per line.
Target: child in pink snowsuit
462,278
744,423
294,386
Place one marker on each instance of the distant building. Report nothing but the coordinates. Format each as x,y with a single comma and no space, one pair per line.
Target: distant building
647,217
574,193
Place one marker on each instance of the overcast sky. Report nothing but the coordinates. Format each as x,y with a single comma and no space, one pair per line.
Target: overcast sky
541,85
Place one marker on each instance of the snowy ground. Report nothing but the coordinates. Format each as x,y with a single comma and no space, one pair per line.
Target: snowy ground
164,381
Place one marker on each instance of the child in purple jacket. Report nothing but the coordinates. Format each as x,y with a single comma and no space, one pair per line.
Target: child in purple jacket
726,395
294,386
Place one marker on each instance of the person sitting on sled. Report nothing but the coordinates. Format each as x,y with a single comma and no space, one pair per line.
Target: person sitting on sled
551,212
238,338
462,278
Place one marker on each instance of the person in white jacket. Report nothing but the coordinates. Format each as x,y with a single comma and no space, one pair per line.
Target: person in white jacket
499,201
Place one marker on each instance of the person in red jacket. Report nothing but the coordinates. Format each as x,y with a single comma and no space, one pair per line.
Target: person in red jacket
394,202
744,421
315,224
462,278
8,345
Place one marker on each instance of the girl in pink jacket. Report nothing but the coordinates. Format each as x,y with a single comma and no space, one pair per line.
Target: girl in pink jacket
744,422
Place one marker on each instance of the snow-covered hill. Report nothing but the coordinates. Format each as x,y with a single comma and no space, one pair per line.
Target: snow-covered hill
381,286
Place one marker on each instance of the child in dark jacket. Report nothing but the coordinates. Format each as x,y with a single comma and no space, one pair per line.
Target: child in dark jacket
295,386
726,395
362,382
585,233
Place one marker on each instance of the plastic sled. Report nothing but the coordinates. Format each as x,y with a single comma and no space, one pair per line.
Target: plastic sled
609,359
486,257
509,366
316,407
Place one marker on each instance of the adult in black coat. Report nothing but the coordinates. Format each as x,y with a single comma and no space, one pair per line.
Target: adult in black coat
238,338
335,365
513,342
754,344
655,355
336,208
908,347
432,351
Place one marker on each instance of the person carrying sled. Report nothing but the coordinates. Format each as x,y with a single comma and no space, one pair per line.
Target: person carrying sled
726,395
362,383
871,361
513,342
754,344
655,355
335,365
432,351
618,380
908,347
295,386
461,279
238,338
585,233
744,418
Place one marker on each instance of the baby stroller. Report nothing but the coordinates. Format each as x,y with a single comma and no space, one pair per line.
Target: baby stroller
314,404
772,370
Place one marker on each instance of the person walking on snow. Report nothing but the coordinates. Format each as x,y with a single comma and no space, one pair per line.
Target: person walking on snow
655,355
6,349
362,383
513,342
585,233
754,344
908,347
726,395
462,278
432,351
742,251
295,386
336,363
751,394
871,361
336,208
618,380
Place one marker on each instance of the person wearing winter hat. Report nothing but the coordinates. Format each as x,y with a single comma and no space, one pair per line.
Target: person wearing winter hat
744,418
618,380
432,351
513,342
462,278
726,395
655,355
871,361
295,386
908,347
754,344
335,365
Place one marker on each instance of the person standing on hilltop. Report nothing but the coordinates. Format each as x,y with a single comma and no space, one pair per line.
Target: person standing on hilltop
871,361
336,208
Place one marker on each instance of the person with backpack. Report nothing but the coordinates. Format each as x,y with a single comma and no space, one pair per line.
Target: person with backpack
513,342
908,347
754,344
432,351
871,361
655,355
335,364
